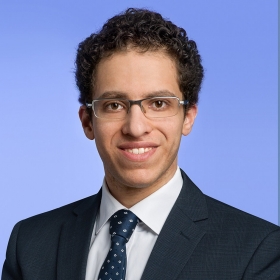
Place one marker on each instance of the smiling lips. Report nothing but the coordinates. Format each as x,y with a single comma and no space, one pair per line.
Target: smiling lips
138,151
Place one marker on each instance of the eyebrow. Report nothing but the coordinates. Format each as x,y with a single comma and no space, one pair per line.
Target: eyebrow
119,94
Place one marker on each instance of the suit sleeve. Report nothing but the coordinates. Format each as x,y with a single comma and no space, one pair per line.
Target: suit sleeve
11,269
265,262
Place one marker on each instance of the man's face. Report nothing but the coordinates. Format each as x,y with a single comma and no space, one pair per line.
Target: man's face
134,76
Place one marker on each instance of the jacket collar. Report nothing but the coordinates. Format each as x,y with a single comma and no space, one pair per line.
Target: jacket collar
75,239
184,228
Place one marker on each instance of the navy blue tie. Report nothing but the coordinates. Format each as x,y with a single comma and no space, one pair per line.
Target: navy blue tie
122,225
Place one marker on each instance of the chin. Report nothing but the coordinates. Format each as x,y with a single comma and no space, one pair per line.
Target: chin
139,179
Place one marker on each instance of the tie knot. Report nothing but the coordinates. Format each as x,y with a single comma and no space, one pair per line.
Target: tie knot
123,223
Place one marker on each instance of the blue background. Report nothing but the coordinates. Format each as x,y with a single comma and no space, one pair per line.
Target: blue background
45,159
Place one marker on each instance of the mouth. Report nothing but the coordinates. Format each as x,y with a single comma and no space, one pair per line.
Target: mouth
138,151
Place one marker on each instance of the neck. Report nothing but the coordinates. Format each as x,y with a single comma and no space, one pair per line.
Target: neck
128,196
131,195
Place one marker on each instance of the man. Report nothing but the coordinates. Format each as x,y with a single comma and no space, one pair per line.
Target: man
139,79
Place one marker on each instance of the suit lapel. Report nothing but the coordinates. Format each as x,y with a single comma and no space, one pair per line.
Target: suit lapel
182,231
75,240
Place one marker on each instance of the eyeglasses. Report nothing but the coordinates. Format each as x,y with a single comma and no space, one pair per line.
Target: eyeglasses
153,107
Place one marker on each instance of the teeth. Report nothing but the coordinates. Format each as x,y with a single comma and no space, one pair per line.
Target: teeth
138,151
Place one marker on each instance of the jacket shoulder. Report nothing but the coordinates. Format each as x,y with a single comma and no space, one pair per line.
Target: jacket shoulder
36,239
232,219
59,215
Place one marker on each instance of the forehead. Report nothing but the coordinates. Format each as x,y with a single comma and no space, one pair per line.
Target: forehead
136,74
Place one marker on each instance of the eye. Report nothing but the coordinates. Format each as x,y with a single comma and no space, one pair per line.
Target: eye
159,104
113,106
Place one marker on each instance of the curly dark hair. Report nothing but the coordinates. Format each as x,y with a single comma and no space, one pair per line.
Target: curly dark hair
142,30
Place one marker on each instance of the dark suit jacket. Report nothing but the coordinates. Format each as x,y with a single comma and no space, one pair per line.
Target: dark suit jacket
202,238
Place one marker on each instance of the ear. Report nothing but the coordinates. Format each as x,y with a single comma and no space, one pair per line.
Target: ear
86,122
189,120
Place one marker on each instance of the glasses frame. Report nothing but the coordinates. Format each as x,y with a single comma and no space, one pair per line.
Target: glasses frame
136,102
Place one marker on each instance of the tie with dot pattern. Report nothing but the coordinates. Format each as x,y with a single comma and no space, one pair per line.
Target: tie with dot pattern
122,225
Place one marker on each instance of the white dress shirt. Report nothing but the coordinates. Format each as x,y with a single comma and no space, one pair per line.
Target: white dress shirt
152,211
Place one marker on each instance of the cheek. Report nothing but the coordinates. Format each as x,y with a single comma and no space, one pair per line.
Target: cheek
171,129
100,137
105,133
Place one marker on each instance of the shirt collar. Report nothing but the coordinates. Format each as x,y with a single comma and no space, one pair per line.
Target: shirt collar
153,210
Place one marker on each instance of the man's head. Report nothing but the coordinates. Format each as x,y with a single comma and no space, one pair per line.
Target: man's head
141,30
138,55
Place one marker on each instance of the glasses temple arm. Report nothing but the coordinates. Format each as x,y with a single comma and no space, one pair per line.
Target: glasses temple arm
184,102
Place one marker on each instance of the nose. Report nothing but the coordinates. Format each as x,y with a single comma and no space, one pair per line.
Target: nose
136,124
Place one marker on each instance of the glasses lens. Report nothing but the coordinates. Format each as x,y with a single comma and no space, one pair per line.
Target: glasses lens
161,107
110,108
